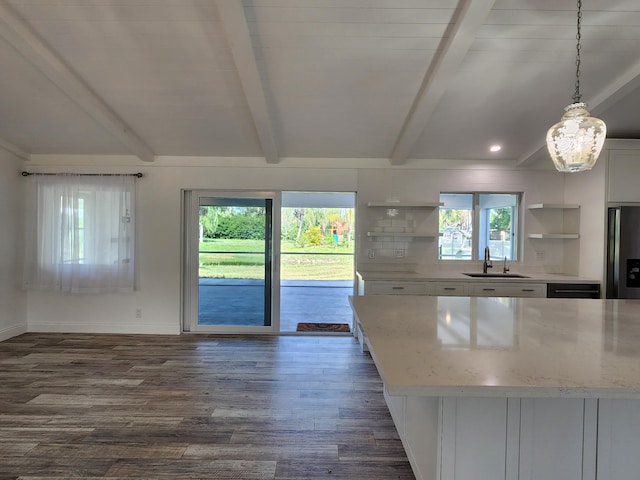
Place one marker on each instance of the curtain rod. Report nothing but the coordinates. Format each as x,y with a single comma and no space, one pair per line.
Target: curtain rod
138,175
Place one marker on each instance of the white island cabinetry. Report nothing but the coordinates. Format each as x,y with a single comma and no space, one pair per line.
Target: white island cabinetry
497,438
510,388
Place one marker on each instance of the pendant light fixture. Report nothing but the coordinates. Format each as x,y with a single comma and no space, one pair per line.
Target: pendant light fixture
575,142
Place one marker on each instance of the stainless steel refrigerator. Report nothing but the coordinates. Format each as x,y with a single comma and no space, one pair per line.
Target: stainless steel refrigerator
623,252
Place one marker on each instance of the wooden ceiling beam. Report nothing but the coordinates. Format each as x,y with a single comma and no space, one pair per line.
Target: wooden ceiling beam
470,16
18,34
236,29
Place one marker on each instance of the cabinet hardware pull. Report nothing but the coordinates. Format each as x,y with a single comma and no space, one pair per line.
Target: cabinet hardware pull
488,289
397,288
560,290
528,290
450,289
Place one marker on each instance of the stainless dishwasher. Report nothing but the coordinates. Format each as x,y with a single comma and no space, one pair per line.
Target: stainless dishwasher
573,290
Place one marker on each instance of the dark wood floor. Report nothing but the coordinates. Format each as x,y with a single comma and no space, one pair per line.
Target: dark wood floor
190,406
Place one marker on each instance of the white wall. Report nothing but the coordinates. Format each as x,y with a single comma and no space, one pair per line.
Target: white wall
159,238
588,189
13,318
159,223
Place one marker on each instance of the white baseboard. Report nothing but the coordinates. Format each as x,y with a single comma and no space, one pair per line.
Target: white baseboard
112,328
10,332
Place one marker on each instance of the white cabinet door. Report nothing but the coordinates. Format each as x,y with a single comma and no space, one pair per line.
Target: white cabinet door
618,439
551,438
422,435
474,438
397,408
624,171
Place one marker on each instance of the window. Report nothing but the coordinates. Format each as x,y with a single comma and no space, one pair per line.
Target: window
469,222
81,234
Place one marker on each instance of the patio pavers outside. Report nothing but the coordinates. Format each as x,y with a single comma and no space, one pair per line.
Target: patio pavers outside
241,302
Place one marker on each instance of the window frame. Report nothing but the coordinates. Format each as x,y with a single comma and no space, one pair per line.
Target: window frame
480,229
81,234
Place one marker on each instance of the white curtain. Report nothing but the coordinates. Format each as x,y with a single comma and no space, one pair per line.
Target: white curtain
81,233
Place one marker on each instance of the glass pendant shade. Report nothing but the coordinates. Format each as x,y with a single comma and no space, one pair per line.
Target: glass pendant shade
576,141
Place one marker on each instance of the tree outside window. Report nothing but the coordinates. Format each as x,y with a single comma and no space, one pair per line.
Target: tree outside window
469,222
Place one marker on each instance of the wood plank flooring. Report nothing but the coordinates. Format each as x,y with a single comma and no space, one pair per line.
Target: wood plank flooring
193,407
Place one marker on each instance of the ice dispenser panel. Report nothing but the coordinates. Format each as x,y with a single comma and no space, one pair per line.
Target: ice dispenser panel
633,273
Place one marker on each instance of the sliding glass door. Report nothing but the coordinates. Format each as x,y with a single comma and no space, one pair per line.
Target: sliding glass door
229,283
268,262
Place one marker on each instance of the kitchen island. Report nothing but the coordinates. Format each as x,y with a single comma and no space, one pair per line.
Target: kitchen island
513,388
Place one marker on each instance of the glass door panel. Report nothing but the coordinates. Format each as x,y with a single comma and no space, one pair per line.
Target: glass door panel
234,264
317,261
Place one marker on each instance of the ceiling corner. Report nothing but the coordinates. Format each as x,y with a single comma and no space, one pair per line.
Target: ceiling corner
18,34
14,149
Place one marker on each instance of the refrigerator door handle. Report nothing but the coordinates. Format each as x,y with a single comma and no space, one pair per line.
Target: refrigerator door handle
613,253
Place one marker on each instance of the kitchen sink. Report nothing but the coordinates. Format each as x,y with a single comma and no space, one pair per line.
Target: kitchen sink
495,275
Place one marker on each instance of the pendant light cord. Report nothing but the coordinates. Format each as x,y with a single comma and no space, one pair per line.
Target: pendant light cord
576,93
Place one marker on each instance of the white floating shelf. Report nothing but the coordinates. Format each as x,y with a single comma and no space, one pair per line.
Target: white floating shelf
401,234
554,235
405,204
564,206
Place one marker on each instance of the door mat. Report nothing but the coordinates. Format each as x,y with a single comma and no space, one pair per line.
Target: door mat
322,327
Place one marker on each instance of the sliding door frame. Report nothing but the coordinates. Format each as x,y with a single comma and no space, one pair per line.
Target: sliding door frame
190,262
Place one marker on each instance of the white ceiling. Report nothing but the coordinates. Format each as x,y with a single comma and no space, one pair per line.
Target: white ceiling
394,79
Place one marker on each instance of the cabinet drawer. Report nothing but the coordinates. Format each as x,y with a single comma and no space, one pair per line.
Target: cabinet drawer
444,289
396,288
508,290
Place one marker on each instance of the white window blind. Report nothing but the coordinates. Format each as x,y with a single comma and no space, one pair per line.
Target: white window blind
81,233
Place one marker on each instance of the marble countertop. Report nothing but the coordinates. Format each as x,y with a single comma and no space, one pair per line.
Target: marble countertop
460,276
503,347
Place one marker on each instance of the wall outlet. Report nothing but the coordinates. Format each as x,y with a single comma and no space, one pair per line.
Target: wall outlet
540,255
398,253
138,313
371,253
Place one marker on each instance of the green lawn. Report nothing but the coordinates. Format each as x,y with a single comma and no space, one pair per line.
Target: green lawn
223,259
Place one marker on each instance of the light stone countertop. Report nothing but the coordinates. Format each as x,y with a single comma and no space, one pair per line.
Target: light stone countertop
459,277
503,347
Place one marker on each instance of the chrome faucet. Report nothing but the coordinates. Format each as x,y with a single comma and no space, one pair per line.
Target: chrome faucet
487,260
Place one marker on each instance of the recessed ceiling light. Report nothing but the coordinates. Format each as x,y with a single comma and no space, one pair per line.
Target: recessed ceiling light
495,148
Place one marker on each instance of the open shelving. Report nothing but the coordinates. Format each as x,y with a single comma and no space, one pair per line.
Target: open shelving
405,204
554,235
554,206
